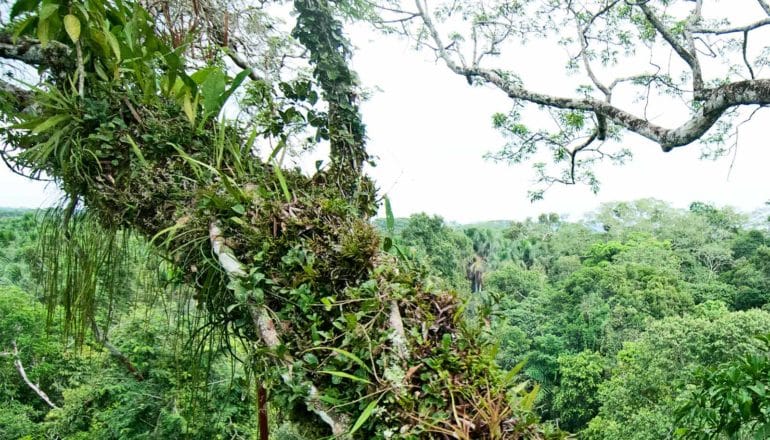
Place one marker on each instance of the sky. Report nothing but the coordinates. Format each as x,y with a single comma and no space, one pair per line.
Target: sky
429,131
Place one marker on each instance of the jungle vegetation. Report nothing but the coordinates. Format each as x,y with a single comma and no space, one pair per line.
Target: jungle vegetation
192,285
641,321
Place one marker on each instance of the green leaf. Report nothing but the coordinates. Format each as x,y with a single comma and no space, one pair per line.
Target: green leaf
364,415
188,108
510,375
212,88
22,27
113,42
98,37
330,400
345,375
282,182
47,11
50,123
310,358
237,81
43,31
136,150
239,209
390,221
72,26
762,432
347,355
529,399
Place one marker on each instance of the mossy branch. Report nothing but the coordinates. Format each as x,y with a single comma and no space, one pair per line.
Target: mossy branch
263,323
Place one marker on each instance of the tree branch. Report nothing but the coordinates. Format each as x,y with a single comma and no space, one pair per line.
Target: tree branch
744,47
714,102
765,6
581,34
746,28
35,388
31,52
689,58
267,332
114,352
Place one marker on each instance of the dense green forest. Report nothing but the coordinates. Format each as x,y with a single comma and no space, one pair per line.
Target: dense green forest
639,322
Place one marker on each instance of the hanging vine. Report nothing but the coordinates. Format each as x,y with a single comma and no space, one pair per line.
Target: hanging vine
322,34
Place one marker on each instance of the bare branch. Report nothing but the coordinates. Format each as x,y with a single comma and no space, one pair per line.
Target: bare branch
735,136
441,48
764,6
743,51
35,388
731,30
573,154
582,31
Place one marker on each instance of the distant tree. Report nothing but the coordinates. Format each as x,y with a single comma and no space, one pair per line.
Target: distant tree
446,251
577,400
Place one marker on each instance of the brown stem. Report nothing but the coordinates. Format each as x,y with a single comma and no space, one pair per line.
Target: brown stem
264,432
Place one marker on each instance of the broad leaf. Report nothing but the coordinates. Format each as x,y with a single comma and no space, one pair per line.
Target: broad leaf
72,26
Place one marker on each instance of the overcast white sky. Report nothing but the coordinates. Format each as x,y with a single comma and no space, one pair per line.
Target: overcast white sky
430,131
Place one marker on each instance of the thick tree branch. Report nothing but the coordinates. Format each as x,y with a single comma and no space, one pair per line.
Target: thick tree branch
54,56
241,62
714,102
31,52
